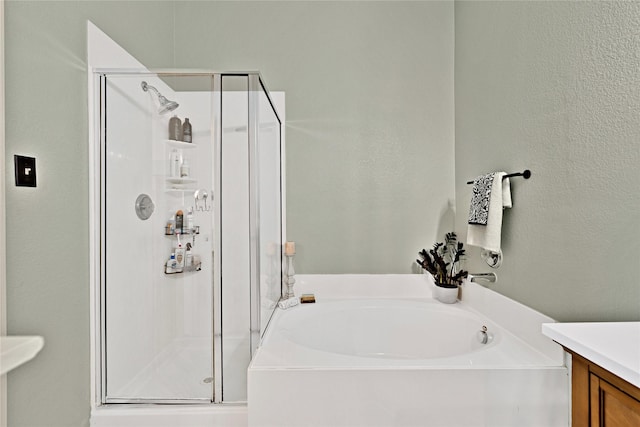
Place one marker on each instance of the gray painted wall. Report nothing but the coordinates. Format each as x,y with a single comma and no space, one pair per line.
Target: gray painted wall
550,86
369,89
370,147
47,227
554,87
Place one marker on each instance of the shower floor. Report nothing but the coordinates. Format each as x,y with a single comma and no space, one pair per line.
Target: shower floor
184,370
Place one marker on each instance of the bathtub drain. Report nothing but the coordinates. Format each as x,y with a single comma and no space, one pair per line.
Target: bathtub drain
484,336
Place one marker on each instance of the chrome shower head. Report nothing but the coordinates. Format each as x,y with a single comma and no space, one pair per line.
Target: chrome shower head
165,104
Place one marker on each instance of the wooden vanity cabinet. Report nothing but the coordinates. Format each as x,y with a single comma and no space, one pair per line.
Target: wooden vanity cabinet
600,398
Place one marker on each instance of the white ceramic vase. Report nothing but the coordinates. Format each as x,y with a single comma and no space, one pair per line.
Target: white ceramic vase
445,295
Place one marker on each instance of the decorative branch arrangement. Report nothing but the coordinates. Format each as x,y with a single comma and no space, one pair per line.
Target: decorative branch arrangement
442,262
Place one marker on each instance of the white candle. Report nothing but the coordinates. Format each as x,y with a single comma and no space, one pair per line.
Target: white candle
290,248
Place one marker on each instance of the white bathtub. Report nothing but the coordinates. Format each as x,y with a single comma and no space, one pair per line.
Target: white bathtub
393,333
355,359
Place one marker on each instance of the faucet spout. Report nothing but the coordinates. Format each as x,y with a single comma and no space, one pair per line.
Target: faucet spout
483,277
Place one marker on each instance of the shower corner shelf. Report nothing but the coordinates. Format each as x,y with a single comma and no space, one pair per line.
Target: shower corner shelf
186,270
180,144
185,232
180,185
176,180
180,191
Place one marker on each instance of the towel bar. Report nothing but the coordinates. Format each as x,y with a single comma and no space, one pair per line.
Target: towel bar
526,174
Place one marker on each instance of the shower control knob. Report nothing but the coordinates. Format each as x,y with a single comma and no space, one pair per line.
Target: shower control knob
144,206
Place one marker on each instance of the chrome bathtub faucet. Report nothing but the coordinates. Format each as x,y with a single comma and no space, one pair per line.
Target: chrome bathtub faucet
483,277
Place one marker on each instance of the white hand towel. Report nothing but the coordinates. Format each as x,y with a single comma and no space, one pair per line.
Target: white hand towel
489,236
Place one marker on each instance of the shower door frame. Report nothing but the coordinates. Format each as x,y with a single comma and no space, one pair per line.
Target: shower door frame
97,169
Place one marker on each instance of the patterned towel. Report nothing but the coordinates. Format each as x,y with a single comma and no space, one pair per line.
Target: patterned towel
479,208
489,236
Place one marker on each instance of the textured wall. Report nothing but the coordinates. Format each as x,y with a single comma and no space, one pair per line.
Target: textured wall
551,86
369,89
47,227
554,87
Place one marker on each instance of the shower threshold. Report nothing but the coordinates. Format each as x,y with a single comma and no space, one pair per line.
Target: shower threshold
131,415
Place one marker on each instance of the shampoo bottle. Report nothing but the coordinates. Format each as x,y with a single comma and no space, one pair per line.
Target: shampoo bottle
186,130
175,128
188,258
171,265
179,258
174,164
184,169
190,224
179,222
171,226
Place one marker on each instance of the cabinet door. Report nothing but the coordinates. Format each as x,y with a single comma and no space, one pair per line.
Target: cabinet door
611,407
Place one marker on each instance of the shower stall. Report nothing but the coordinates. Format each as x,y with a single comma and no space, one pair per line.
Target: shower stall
190,233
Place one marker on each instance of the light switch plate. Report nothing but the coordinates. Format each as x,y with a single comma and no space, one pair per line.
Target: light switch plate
25,171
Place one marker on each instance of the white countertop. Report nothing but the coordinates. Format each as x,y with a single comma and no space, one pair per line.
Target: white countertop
16,350
615,346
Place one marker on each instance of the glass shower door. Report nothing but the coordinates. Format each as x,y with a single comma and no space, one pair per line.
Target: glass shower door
158,333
